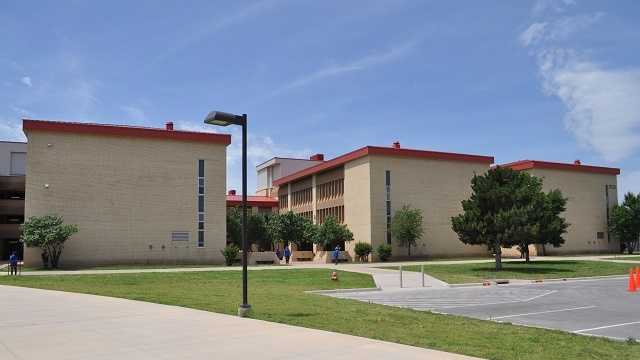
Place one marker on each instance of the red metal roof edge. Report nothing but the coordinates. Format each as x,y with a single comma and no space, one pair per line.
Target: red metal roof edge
123,130
234,200
327,165
385,151
537,164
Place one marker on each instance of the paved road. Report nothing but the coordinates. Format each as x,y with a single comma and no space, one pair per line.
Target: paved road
600,307
42,324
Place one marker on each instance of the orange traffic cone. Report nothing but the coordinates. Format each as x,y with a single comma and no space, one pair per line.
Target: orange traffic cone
637,277
632,282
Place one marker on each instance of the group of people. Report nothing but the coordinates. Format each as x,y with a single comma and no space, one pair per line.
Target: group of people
13,263
335,256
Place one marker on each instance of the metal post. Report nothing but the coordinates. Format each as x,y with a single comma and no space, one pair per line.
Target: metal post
244,308
422,273
400,275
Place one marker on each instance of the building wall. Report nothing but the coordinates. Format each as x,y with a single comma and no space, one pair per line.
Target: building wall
127,195
437,187
586,209
357,201
6,148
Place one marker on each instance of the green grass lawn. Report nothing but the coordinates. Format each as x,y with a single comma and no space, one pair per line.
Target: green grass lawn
120,267
472,273
278,295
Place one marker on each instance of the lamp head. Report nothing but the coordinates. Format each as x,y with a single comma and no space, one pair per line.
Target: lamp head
220,118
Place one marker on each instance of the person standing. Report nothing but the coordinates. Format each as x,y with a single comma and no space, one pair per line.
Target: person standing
287,254
336,254
13,263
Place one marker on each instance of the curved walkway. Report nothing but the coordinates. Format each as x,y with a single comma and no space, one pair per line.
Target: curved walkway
52,325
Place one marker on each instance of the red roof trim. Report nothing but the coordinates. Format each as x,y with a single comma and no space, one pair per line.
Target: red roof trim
123,130
259,201
384,151
535,164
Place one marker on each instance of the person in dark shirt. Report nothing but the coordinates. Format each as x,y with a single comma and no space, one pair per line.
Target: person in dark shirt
287,254
336,254
13,263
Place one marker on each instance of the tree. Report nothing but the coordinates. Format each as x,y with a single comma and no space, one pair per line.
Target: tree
49,233
551,226
362,251
625,221
406,226
234,226
503,211
257,231
331,233
290,228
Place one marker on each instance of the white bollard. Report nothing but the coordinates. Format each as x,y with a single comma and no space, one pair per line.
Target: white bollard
422,273
400,275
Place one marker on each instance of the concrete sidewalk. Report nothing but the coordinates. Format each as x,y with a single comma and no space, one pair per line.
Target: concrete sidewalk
52,325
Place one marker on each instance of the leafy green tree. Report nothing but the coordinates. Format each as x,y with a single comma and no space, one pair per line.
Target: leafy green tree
331,233
290,228
257,231
49,233
624,221
406,226
501,211
234,226
551,226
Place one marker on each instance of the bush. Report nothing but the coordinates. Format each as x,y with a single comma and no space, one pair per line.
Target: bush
362,251
230,253
384,252
49,233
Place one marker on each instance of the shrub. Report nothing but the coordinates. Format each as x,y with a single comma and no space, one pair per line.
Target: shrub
363,250
49,233
230,253
384,252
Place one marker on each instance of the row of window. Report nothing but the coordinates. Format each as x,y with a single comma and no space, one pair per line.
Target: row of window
301,197
307,214
330,190
283,201
336,212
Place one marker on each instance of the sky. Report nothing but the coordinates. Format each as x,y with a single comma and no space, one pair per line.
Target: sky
542,79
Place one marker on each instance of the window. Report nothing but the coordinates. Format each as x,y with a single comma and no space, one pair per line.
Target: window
200,194
387,183
600,235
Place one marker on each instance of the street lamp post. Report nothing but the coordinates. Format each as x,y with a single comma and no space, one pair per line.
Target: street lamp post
225,119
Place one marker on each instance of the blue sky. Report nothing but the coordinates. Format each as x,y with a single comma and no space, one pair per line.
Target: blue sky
547,80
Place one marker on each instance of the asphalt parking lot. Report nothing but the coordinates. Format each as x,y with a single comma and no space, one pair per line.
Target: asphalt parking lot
600,307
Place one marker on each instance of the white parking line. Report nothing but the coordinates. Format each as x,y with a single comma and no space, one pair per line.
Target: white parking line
542,312
606,327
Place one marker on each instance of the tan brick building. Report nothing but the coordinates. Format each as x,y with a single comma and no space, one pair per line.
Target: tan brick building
138,195
365,187
591,192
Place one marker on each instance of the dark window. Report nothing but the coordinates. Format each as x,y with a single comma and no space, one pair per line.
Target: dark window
201,168
387,182
201,238
200,203
200,225
600,235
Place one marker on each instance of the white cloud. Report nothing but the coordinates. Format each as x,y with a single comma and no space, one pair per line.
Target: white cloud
558,30
26,81
603,104
629,182
541,6
361,64
533,33
11,130
134,113
203,30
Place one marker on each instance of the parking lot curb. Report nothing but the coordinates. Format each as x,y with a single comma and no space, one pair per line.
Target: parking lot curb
341,291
